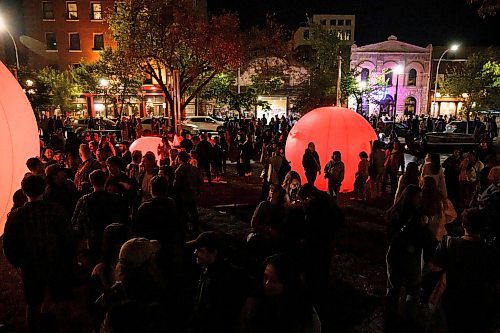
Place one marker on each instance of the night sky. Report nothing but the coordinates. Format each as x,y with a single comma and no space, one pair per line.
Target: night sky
422,22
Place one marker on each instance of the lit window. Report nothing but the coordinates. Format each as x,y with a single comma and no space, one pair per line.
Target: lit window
74,41
348,22
306,34
96,11
98,41
340,36
340,22
48,10
412,77
365,73
72,11
347,35
333,22
388,78
50,41
322,22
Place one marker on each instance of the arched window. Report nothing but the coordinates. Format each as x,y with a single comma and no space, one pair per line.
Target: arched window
365,72
410,105
412,77
388,78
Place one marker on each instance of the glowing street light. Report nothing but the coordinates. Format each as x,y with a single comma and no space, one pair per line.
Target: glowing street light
452,48
104,83
398,70
3,26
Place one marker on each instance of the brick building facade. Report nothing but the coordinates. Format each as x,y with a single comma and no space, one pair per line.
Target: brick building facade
62,33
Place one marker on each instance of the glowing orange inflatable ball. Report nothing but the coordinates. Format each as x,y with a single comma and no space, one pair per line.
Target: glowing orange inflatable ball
145,144
18,139
330,128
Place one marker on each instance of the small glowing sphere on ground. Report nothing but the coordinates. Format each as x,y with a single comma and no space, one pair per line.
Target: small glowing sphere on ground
145,144
330,128
18,139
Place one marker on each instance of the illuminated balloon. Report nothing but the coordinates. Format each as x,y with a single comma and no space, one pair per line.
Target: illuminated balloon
18,139
330,128
145,144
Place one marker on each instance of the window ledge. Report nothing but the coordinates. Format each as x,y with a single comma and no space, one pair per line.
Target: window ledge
92,20
72,20
47,50
49,20
76,51
97,50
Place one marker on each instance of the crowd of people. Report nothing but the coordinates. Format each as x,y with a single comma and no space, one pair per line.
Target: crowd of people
116,231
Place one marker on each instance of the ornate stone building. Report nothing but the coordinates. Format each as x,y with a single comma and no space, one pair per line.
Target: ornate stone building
379,60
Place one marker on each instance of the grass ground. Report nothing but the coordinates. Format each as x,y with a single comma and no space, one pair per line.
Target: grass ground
357,272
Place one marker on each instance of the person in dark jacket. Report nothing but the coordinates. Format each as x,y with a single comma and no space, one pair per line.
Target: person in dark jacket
282,303
221,288
126,155
186,186
205,155
38,240
36,167
157,219
311,163
88,165
59,189
409,236
94,212
122,183
472,273
322,218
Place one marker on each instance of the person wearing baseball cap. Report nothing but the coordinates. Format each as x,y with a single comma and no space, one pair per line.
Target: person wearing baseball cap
219,293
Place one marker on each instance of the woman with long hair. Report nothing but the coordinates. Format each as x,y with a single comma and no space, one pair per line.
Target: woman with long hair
433,207
432,167
411,176
291,185
408,237
282,304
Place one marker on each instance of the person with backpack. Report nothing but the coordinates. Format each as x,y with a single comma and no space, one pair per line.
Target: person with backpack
334,173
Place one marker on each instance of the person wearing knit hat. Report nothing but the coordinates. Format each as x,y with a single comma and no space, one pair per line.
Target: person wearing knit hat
137,274
137,252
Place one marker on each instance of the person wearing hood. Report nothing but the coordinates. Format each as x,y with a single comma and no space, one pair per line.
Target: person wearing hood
311,163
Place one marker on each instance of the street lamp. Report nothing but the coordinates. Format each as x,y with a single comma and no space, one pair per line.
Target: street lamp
104,83
452,48
398,70
3,26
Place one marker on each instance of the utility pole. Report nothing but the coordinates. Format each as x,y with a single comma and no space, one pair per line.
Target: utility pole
338,80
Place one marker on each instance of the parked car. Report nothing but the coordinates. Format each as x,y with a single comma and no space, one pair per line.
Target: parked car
401,129
147,129
82,125
458,126
205,123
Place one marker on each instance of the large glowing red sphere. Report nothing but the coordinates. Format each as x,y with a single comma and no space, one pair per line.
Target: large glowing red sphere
145,144
330,128
18,139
